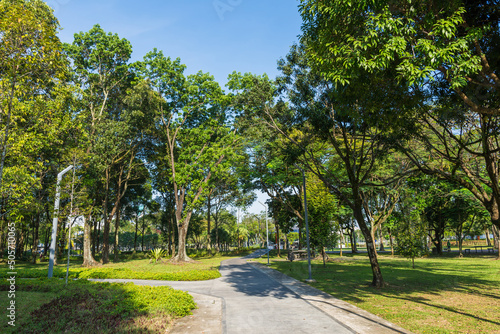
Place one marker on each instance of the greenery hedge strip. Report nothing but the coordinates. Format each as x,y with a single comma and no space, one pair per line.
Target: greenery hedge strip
84,273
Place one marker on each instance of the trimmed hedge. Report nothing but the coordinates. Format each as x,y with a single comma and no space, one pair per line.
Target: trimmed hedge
85,273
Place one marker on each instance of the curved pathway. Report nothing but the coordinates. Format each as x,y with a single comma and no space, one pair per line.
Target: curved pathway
253,301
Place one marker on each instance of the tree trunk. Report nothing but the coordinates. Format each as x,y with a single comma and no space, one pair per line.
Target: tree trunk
171,236
47,242
88,258
341,240
391,243
324,255
142,235
117,227
135,235
300,237
353,241
496,239
377,280
95,238
372,234
105,237
277,238
181,252
460,242
217,244
381,238
488,240
34,250
2,234
495,219
209,246
20,244
99,225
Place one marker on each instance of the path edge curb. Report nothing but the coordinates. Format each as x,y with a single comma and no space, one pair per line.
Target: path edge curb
352,317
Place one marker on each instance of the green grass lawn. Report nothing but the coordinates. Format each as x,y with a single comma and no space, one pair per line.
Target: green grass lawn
49,306
136,266
441,295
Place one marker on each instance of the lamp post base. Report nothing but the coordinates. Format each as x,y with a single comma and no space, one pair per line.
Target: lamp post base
312,280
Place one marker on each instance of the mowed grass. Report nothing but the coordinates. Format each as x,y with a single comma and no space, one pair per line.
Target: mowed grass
50,306
136,266
441,295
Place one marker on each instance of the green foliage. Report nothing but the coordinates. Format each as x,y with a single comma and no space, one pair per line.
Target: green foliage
156,254
347,37
83,273
34,111
323,209
99,306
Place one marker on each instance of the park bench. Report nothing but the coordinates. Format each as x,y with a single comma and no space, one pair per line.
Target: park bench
467,250
297,254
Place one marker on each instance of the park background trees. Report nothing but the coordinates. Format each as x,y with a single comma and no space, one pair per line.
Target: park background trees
396,92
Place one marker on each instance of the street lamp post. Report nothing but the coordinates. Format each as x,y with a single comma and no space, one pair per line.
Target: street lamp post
267,233
54,221
310,279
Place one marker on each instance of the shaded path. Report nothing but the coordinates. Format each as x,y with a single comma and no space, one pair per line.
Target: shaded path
252,298
255,303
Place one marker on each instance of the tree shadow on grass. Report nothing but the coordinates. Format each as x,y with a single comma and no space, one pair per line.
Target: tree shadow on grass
427,302
350,280
84,307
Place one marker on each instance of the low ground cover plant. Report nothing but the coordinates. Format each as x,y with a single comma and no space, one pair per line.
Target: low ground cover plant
201,269
133,266
90,307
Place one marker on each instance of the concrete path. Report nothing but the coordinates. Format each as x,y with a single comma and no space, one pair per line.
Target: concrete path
256,299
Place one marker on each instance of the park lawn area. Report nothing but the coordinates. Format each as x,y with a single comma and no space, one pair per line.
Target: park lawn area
444,294
50,306
202,268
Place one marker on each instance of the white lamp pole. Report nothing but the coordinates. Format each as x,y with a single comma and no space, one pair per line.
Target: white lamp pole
55,219
267,233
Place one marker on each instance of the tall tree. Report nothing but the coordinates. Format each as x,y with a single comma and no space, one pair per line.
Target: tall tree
193,125
448,52
31,62
101,71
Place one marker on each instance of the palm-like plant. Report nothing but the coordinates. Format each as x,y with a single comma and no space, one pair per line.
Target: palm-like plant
156,254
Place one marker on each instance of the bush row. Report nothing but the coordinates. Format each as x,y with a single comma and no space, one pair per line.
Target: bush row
85,273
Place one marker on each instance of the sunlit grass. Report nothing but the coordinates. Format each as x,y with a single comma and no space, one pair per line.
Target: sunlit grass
50,306
129,266
441,295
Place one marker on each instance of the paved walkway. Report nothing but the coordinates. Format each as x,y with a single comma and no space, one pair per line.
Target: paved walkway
252,298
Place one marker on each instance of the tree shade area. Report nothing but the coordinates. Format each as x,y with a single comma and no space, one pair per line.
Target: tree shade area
391,109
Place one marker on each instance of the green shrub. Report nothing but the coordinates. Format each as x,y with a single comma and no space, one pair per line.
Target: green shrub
92,307
193,275
157,254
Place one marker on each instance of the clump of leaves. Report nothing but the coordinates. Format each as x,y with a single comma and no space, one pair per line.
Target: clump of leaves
157,254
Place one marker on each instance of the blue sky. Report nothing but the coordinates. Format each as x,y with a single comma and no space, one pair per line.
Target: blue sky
215,36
